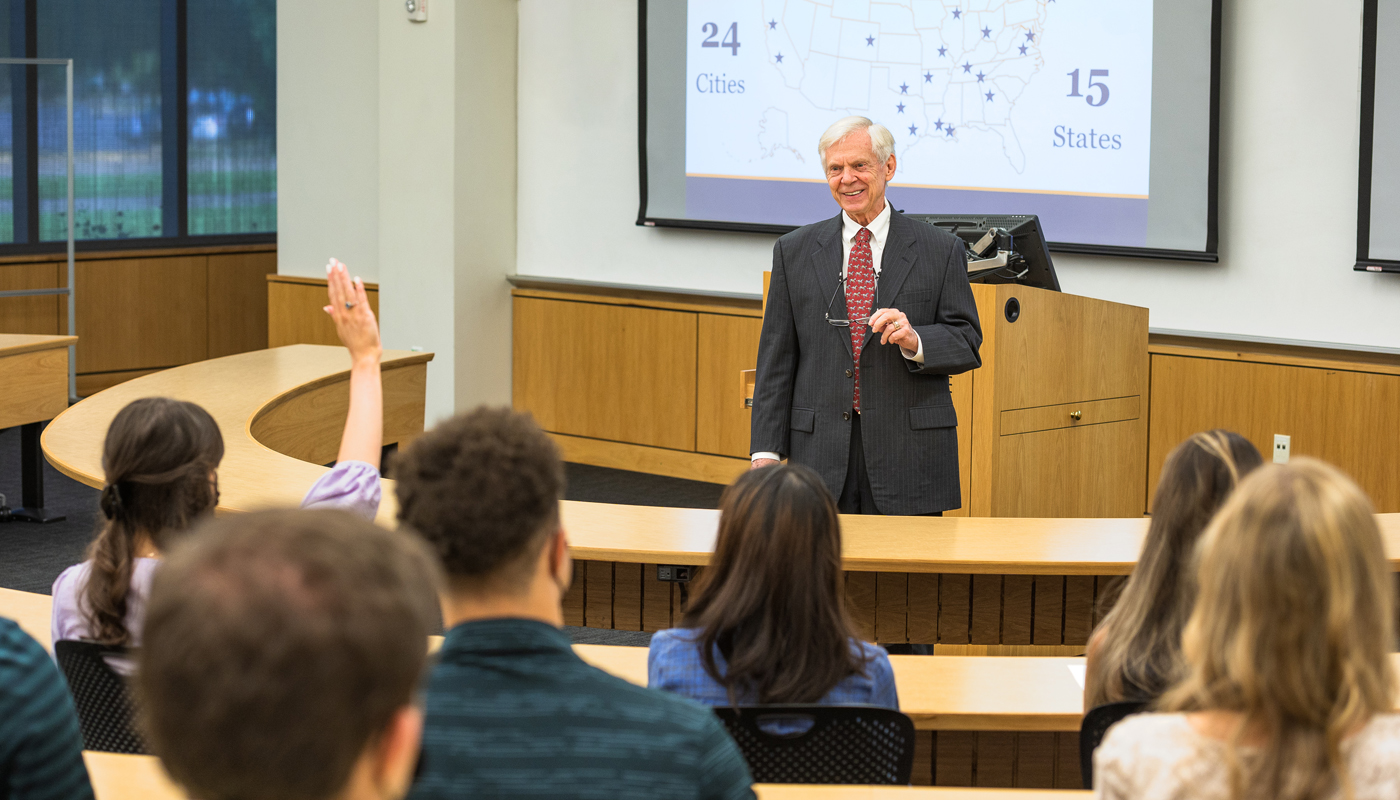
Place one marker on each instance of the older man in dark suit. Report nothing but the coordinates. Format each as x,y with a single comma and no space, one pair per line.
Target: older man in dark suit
868,314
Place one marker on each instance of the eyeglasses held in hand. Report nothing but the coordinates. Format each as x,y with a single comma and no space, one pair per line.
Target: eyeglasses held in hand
846,323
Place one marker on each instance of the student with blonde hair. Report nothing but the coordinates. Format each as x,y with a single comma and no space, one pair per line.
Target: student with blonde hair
1136,652
1287,680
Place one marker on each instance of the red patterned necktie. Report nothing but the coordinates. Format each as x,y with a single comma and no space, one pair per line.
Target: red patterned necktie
860,294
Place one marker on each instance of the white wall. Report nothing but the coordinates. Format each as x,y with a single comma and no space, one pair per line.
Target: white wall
417,98
327,157
1289,127
396,144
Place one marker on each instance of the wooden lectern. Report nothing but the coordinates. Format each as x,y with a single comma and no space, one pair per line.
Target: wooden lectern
1054,422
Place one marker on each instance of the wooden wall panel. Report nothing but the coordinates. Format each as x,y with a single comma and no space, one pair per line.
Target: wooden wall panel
1348,418
573,599
41,394
996,759
954,754
294,314
861,600
1048,617
1060,354
1035,760
237,286
921,774
598,594
726,346
1091,471
891,607
960,387
627,597
609,372
142,313
922,625
38,314
1016,595
986,609
656,601
954,608
1067,774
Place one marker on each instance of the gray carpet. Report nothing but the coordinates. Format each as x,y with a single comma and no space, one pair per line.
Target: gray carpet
32,556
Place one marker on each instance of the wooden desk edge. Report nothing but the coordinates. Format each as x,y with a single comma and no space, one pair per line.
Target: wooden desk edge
394,359
41,343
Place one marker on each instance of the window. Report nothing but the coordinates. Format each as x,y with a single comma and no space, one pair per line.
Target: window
174,121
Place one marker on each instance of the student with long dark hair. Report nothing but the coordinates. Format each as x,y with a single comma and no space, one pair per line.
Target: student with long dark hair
160,463
766,621
1136,652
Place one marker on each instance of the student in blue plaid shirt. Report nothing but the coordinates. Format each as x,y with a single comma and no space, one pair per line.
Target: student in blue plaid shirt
766,622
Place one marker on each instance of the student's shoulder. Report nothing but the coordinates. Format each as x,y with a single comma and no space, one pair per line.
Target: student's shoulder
652,709
16,645
673,641
71,580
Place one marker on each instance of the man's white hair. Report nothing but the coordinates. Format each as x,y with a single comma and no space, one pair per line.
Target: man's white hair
880,137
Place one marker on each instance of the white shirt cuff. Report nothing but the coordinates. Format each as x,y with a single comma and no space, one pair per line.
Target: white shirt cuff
773,456
918,356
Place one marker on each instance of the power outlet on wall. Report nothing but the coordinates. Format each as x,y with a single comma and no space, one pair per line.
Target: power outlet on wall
1281,447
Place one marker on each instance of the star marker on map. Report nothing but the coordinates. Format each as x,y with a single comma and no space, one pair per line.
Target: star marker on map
928,77
986,33
967,67
904,88
942,51
957,14
870,41
990,95
900,107
779,58
772,24
913,129
980,77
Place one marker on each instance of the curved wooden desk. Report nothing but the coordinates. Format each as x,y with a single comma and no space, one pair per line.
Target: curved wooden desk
965,585
281,412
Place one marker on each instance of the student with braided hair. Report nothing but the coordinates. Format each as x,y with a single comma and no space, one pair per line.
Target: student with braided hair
160,462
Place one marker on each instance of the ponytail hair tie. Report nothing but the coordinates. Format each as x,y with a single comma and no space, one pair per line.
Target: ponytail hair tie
111,501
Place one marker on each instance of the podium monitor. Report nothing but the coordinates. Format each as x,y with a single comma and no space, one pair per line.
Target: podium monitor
1001,248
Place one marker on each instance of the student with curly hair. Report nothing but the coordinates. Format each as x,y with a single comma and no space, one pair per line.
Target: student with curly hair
511,710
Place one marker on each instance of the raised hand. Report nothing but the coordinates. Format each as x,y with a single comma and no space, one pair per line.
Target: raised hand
349,309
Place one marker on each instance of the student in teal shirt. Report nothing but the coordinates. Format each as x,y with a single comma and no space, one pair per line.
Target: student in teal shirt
41,746
510,710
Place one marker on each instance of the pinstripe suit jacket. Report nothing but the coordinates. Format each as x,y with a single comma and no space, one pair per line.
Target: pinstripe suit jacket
908,426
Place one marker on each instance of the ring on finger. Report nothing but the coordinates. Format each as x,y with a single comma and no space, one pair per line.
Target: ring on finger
349,304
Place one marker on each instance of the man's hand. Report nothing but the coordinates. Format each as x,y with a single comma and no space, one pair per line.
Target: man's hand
762,462
894,328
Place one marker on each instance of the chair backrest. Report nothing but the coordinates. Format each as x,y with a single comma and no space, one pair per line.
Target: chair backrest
106,712
844,744
1091,732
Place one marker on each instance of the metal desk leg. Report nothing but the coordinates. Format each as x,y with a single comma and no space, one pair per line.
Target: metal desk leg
32,477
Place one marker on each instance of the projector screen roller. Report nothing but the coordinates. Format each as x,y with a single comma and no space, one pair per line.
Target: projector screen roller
1378,207
1099,116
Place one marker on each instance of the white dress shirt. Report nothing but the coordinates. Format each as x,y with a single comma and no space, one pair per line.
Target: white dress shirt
879,233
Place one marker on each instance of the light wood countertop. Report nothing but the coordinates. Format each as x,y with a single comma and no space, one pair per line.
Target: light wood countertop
236,389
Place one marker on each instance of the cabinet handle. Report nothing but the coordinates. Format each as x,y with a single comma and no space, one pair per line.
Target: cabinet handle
1075,415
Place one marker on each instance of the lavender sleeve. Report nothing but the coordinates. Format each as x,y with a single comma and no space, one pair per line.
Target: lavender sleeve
350,485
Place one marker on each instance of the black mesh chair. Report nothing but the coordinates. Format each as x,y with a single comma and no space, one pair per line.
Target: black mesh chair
106,713
844,744
1091,732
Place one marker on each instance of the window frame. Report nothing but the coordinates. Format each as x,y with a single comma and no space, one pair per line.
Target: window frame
174,80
